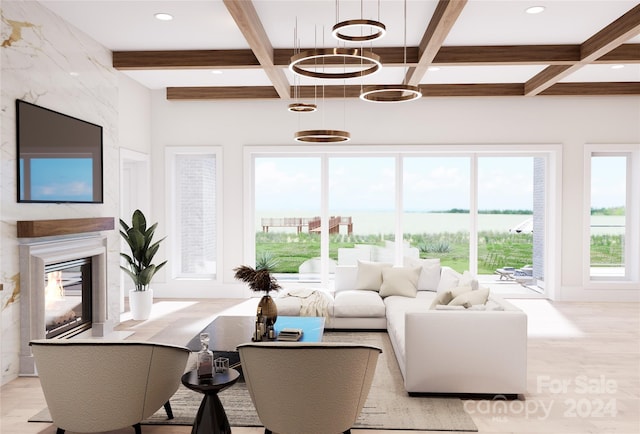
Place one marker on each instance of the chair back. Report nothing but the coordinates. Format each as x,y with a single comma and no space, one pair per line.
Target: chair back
311,388
97,385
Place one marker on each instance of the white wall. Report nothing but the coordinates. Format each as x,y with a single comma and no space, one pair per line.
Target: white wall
36,67
570,122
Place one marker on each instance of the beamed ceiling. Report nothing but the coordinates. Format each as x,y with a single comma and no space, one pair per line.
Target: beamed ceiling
230,49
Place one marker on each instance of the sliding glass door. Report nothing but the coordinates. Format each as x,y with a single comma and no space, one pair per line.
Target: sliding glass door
472,211
436,203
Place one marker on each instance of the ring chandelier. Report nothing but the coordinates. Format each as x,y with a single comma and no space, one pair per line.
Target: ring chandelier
322,136
393,93
377,28
301,107
390,93
304,62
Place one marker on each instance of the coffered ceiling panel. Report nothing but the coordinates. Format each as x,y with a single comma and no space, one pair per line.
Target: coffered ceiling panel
481,47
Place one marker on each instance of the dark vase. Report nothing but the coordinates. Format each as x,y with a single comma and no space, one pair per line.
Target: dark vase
269,309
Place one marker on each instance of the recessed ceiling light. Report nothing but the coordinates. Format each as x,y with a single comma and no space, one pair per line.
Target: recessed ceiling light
535,9
163,17
74,74
216,71
617,66
433,68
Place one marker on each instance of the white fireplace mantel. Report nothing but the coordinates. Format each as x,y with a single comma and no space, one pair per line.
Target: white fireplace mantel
34,256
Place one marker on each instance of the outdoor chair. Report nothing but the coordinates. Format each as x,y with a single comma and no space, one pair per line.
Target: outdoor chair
311,388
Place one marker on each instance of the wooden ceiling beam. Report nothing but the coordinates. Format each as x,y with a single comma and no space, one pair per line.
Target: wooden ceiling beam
229,92
594,89
247,20
442,21
597,46
184,59
312,93
508,55
626,53
390,56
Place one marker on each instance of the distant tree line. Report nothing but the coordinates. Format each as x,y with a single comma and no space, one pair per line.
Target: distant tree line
617,210
487,211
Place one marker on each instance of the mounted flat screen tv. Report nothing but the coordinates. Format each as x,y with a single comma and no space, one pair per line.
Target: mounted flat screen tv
59,157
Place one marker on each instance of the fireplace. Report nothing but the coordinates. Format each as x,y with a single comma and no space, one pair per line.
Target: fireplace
78,265
67,298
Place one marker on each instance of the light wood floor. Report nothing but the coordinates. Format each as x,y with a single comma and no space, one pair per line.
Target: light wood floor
583,370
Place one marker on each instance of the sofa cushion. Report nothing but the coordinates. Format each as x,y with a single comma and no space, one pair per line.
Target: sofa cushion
470,298
369,275
400,281
430,273
448,279
448,307
358,303
445,297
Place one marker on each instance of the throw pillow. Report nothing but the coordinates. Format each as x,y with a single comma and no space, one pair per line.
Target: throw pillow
443,297
430,274
459,290
399,281
471,297
448,279
468,279
369,275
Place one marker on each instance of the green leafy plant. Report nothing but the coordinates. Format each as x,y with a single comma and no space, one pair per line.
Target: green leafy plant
266,261
139,237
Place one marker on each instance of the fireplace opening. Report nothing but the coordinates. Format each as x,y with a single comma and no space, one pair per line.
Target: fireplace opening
68,305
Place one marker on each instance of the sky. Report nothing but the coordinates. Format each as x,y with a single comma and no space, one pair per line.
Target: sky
430,183
62,179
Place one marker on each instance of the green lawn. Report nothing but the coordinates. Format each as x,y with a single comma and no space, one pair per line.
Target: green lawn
495,249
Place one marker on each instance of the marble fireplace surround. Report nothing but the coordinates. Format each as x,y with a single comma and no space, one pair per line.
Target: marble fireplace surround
45,242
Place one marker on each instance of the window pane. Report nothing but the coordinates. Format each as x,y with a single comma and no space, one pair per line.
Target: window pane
506,216
436,209
287,212
362,209
608,211
196,214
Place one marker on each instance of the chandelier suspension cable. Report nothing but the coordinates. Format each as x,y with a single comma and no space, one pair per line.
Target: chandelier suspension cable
297,106
378,30
394,93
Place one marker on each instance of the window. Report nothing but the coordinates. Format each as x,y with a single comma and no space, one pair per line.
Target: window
608,234
317,209
361,209
287,214
436,219
194,211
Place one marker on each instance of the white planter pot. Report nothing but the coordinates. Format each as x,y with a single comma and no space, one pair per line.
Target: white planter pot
140,303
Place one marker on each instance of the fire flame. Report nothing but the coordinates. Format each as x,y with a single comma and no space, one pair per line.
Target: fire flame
54,289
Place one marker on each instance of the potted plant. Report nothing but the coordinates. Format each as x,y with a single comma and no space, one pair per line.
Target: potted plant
140,267
261,280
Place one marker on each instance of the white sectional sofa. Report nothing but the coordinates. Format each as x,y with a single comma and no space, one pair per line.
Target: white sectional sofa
481,349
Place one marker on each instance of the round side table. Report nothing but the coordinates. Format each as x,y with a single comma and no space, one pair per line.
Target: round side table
211,417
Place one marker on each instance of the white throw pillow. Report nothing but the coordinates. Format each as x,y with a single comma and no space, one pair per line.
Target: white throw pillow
430,274
459,290
448,279
369,275
399,281
471,298
468,279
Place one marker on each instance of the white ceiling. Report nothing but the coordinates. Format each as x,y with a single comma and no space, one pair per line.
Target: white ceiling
207,25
